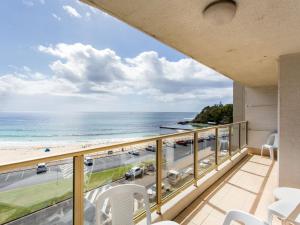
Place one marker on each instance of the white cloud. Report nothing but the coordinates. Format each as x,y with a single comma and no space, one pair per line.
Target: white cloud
103,71
33,85
56,17
91,9
71,11
88,15
82,70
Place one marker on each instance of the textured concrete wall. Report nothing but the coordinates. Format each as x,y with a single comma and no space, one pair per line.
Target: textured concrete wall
238,102
261,111
289,120
259,107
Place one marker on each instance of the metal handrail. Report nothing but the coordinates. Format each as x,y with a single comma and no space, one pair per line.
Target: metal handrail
60,156
78,162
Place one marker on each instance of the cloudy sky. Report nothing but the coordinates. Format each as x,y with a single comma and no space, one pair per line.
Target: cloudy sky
61,54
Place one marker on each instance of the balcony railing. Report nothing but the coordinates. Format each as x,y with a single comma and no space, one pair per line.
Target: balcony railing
165,165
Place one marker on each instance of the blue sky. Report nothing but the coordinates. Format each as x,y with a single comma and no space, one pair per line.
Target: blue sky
24,26
58,54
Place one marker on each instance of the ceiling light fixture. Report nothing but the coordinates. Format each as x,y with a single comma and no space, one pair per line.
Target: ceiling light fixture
220,12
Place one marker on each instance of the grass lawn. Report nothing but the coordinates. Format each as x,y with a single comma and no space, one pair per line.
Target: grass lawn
19,202
101,178
22,201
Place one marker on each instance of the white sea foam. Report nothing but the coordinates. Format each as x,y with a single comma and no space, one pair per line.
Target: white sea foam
19,145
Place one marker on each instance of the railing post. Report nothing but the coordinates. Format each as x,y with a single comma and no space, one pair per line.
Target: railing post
229,140
216,146
159,160
239,136
195,158
78,189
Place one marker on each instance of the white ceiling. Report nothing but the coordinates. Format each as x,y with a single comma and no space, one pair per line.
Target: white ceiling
246,49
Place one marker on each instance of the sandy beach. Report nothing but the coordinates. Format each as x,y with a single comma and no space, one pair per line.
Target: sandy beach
17,151
21,151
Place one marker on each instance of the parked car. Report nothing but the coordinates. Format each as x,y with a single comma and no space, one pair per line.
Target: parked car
41,168
212,137
136,153
88,161
110,152
151,168
174,176
151,148
201,139
190,141
224,135
182,142
185,142
205,163
207,138
134,172
152,191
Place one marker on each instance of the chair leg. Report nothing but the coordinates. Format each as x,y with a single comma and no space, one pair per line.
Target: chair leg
271,153
261,151
285,222
270,218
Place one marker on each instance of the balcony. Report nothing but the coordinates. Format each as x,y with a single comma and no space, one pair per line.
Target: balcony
64,188
248,187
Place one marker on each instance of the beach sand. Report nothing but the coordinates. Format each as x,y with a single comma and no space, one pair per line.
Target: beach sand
22,151
16,152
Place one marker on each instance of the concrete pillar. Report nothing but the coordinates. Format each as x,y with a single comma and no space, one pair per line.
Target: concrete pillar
238,102
289,120
261,112
257,105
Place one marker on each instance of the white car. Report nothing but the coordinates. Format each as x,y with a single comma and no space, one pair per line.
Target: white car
152,191
88,161
151,148
134,172
205,163
174,176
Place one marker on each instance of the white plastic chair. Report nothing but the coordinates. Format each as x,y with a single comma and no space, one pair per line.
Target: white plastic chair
286,193
283,209
272,143
121,199
243,217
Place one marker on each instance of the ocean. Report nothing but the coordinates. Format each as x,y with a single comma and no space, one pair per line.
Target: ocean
42,127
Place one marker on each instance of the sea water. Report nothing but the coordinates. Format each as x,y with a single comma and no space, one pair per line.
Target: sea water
46,127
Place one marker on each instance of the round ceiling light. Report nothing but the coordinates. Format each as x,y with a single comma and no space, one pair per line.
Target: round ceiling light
220,12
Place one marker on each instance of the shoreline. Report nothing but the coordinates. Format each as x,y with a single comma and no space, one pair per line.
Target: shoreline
20,151
12,152
53,144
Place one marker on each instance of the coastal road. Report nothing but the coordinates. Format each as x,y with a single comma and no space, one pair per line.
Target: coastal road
27,177
178,158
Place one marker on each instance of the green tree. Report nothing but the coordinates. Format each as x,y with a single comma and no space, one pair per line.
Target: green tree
218,113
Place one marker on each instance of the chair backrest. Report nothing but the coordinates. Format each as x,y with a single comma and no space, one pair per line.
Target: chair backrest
243,217
121,199
273,140
276,141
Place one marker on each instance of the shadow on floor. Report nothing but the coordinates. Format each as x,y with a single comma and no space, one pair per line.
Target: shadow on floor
241,188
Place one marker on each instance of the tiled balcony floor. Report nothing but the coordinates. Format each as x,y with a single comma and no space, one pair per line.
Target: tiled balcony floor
248,187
